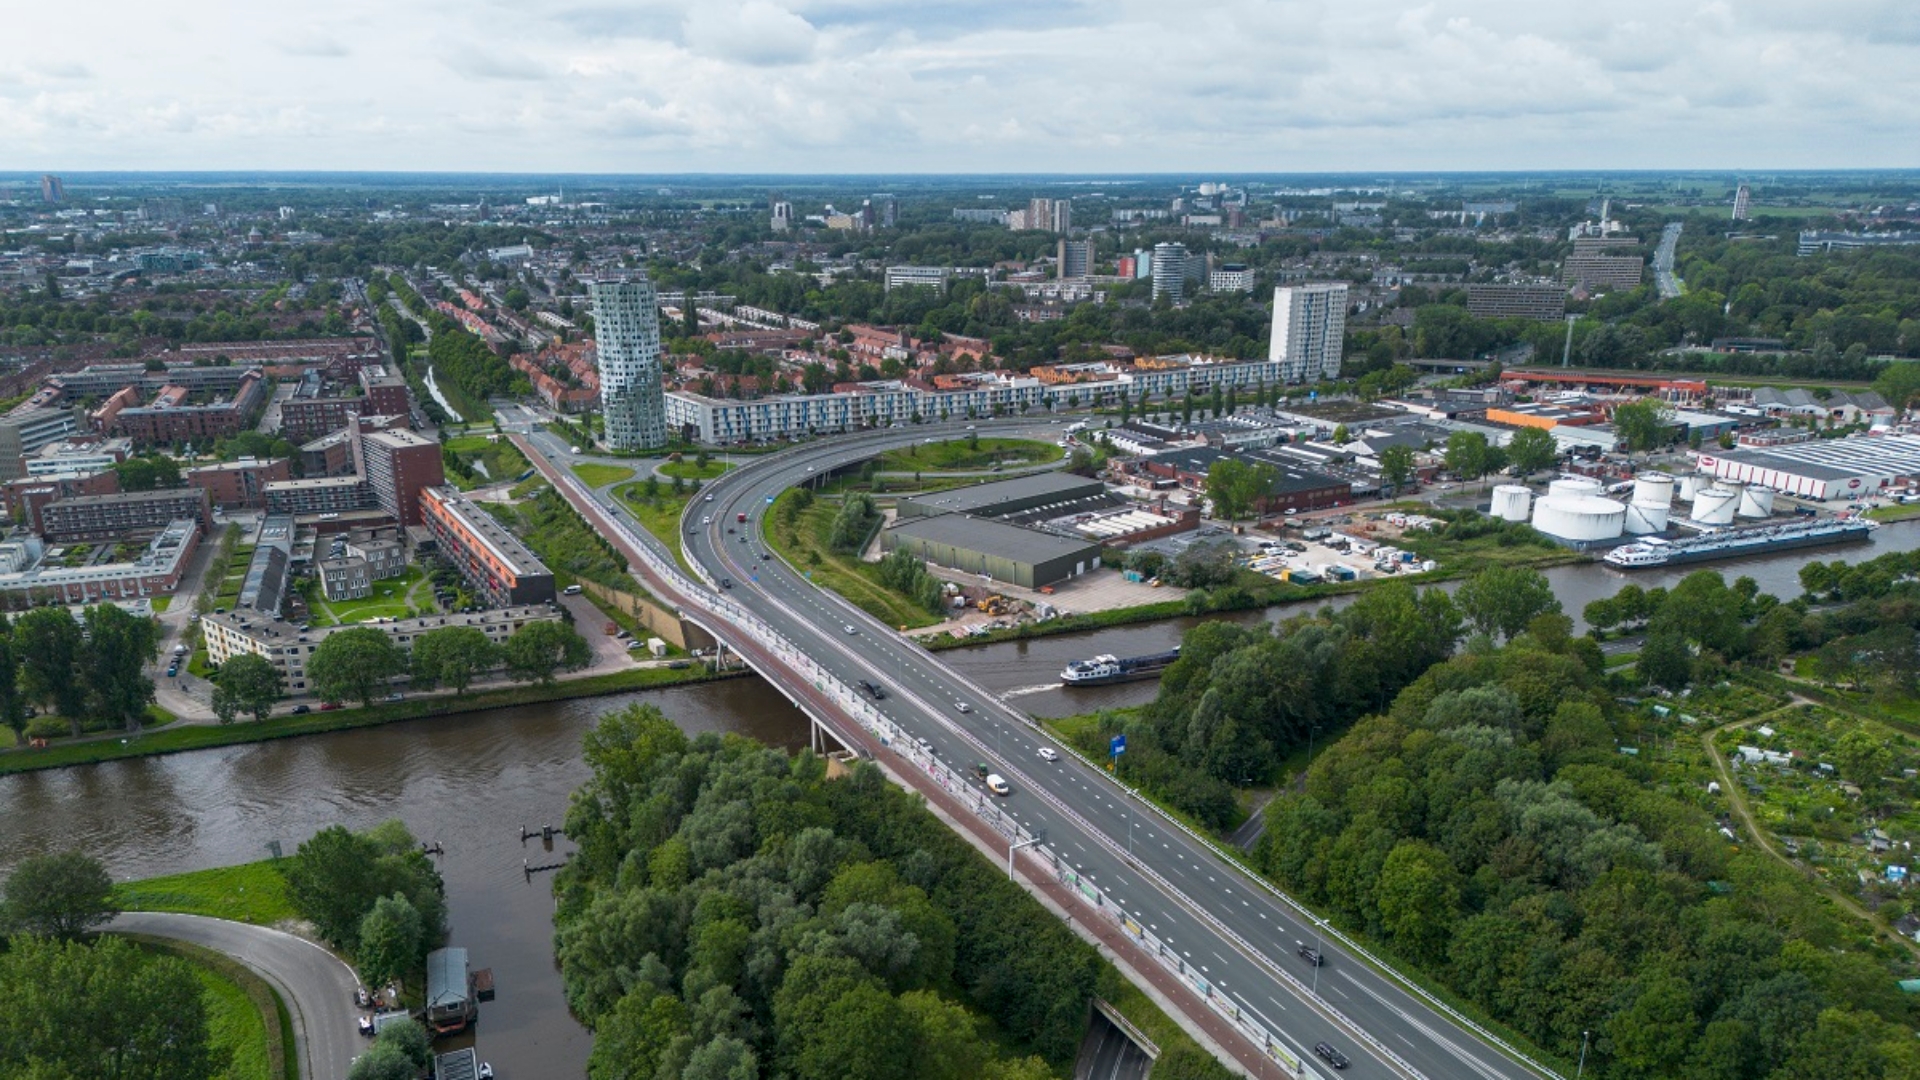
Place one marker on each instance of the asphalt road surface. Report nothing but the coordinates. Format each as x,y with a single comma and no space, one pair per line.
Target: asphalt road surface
316,985
1238,934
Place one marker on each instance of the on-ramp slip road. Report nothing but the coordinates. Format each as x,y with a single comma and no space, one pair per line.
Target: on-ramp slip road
1238,933
316,985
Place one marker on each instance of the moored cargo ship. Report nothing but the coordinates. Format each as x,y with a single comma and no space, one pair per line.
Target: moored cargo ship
1112,669
1733,543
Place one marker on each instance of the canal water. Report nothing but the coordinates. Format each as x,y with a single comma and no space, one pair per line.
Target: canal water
471,782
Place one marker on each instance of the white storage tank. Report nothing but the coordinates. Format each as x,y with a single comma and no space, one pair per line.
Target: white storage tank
1715,506
1653,489
1643,518
1579,517
1756,502
1574,486
1511,502
1690,486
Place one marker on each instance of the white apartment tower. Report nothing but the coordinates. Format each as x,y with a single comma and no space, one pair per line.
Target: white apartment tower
626,330
1309,330
782,216
1742,200
1170,271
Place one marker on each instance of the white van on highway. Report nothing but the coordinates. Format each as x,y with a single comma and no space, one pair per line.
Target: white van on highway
997,785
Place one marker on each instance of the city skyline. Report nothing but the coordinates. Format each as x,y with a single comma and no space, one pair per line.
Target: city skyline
835,86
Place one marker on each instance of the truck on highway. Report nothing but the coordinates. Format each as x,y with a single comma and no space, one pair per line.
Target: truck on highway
741,517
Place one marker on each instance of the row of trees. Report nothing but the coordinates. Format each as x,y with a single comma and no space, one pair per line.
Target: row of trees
90,669
734,914
854,524
357,663
907,574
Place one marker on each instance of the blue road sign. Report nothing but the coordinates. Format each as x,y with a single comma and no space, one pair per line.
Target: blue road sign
1118,746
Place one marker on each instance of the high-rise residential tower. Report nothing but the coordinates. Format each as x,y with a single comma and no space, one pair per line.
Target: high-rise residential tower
1075,258
1170,271
1309,330
1742,201
782,216
626,330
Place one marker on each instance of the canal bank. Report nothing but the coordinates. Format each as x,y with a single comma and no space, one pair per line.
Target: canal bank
468,782
1027,671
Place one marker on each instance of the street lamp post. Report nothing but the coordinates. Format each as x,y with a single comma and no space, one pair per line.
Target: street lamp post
1583,1055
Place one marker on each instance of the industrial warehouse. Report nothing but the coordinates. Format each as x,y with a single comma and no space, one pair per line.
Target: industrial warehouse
1823,468
1005,553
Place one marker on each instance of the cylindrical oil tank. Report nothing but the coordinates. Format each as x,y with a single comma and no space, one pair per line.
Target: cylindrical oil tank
1690,486
1756,502
1574,486
1653,489
1715,506
1511,502
1644,518
1579,517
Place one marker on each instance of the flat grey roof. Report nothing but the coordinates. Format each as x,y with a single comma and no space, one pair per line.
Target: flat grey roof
968,499
994,538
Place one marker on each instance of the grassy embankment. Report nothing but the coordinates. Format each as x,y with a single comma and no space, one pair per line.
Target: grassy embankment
248,1023
800,538
253,893
181,738
691,469
476,460
595,476
659,515
962,455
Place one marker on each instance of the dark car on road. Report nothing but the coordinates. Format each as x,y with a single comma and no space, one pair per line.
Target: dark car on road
1308,953
1331,1056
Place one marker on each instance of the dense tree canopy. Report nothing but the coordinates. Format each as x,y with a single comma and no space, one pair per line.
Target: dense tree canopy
732,913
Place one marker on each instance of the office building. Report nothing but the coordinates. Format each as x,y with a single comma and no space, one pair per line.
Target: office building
25,431
782,216
1541,303
626,319
1742,202
492,560
1233,277
1601,262
123,515
1309,331
1075,258
1169,271
917,276
398,466
290,648
53,190
1814,242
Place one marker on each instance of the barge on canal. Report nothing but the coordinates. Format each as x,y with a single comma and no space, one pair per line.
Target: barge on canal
453,1000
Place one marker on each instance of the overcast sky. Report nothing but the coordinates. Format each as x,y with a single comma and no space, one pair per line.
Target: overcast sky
960,85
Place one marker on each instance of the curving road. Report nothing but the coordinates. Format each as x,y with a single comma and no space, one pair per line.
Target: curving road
1238,933
316,985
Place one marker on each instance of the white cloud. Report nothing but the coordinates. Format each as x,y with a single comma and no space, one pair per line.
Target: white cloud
930,85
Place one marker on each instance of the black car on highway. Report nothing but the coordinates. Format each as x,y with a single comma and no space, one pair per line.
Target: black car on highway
1331,1056
1308,953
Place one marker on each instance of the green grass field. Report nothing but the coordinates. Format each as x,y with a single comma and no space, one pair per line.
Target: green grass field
687,469
389,601
958,456
1905,512
595,476
161,604
250,893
